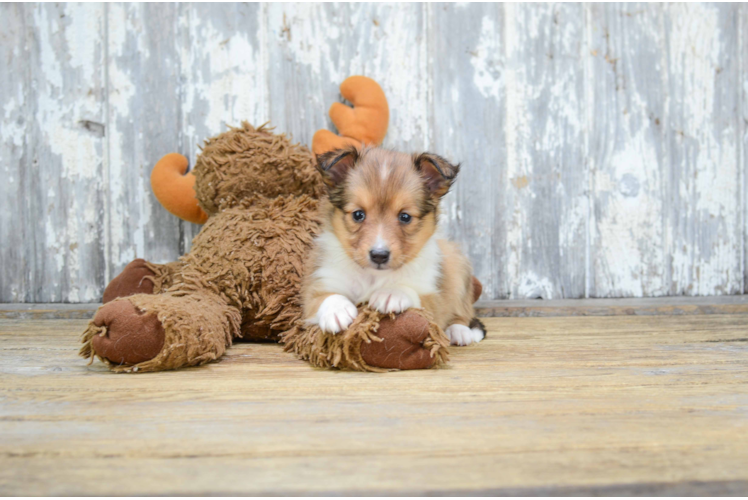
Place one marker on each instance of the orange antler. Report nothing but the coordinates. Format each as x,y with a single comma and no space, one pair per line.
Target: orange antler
175,190
365,123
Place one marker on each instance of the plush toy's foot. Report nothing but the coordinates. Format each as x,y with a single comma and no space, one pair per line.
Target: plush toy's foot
402,347
127,336
373,342
163,331
133,279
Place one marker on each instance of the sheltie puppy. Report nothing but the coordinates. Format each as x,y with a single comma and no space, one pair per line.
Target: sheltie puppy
380,244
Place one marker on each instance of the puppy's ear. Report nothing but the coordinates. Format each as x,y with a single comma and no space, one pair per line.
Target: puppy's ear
437,173
335,165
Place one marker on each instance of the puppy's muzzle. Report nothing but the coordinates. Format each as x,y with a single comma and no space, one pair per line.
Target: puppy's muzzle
379,257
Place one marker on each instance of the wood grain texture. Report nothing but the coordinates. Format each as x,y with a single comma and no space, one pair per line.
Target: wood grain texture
48,311
659,306
543,405
603,145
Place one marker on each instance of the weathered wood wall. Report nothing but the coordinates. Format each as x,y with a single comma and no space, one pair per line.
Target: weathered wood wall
603,146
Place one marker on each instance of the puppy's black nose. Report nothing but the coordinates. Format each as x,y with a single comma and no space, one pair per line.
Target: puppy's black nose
379,256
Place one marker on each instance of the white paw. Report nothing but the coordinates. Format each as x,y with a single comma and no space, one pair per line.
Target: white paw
336,314
463,335
392,300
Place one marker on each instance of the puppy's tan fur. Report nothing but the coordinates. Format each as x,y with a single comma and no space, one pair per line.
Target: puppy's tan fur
423,270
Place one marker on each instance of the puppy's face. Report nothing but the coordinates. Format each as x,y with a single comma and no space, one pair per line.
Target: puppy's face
384,203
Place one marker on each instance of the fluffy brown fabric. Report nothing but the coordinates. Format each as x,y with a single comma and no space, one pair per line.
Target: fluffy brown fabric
197,328
412,342
135,278
163,275
245,162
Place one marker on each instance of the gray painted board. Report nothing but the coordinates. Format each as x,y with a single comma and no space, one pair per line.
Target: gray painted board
143,124
15,263
628,150
63,209
704,191
544,198
743,133
602,145
469,109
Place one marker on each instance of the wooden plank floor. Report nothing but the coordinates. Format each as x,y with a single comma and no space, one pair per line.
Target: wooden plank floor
590,405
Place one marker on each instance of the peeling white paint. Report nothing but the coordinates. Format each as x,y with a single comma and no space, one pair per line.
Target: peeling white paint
301,27
12,132
400,53
382,41
707,259
628,173
122,96
486,59
544,200
81,49
628,220
532,286
69,155
224,78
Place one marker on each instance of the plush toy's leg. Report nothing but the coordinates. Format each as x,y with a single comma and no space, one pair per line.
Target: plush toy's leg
161,331
140,276
408,341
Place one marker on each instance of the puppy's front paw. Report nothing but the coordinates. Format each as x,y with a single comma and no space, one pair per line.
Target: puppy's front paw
464,335
336,314
392,301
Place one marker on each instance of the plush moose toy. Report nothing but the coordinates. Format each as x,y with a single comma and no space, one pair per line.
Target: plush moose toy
257,194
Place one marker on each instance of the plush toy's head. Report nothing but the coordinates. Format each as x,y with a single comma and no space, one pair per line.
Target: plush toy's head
245,162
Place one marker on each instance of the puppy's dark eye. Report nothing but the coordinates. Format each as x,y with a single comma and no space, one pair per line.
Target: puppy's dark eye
359,216
404,218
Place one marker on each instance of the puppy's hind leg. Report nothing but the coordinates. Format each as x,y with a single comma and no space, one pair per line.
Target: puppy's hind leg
478,328
462,335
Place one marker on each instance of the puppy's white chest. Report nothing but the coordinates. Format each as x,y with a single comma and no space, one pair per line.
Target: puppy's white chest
360,286
421,276
340,274
364,284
